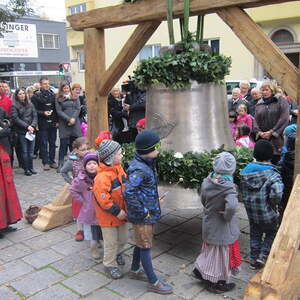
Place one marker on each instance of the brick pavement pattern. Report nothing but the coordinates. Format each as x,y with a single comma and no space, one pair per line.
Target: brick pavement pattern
52,265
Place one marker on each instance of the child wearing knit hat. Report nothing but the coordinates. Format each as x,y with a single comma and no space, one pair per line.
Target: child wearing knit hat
110,206
262,189
143,208
220,253
81,191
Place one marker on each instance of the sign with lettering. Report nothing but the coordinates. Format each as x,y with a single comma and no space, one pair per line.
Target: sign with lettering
19,40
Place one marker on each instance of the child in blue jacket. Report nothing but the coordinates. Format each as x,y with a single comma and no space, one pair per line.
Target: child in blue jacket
143,208
262,190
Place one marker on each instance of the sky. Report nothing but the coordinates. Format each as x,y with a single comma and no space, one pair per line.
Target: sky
53,9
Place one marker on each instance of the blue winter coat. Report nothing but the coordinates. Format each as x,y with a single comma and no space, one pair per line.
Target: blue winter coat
141,195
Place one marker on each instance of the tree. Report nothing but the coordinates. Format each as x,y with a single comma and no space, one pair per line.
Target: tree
14,10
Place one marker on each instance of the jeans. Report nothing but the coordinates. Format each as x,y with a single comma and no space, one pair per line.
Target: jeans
63,147
27,152
261,239
48,136
144,256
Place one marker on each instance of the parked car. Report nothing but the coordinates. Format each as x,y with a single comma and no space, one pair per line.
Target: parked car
231,84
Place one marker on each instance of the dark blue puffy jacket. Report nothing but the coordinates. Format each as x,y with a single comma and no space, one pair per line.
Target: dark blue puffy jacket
141,195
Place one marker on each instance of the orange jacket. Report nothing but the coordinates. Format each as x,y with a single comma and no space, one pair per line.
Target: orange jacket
108,190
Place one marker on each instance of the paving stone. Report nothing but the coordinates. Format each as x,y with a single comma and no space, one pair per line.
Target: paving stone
7,294
23,234
36,281
47,239
193,226
71,246
151,296
172,220
186,251
14,252
238,292
128,288
185,286
195,240
86,282
169,264
13,270
205,295
56,292
5,243
72,265
160,227
166,210
246,273
104,293
70,228
160,247
42,258
187,213
172,236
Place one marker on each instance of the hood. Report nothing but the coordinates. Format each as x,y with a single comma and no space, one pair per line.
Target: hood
103,167
256,174
214,188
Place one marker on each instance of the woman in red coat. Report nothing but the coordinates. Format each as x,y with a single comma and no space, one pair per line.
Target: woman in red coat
10,209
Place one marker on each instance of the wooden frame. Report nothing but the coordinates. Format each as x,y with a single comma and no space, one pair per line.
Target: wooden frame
273,282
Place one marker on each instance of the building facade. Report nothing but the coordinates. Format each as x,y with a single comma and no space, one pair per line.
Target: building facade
31,48
280,22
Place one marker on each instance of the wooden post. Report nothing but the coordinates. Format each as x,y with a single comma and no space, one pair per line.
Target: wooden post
127,54
297,156
94,51
266,52
280,278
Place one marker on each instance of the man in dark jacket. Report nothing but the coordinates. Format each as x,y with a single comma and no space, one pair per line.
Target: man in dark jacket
44,102
135,105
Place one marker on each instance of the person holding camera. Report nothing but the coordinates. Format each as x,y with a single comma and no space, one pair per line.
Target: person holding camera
44,102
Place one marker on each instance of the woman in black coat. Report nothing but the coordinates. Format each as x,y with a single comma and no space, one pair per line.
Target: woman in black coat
24,117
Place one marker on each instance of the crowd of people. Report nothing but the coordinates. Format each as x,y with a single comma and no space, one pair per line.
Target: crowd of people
106,197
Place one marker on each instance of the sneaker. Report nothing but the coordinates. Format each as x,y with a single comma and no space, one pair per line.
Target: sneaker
79,236
113,272
33,172
120,260
46,167
54,166
138,275
255,265
95,253
160,288
261,261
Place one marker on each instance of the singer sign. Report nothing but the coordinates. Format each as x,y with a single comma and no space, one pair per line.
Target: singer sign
19,40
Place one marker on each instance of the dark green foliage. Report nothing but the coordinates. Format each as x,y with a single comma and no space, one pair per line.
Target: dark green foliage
177,71
15,9
193,167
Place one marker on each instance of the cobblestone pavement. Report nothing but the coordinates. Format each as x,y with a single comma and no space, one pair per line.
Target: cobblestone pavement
51,265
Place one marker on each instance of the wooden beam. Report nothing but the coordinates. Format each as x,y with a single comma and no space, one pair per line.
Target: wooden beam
279,279
135,43
286,243
94,50
149,10
267,53
297,155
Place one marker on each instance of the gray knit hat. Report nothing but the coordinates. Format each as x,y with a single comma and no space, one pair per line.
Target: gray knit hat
107,151
224,163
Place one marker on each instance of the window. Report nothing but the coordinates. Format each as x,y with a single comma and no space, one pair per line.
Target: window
77,8
282,36
81,61
214,44
149,51
48,41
